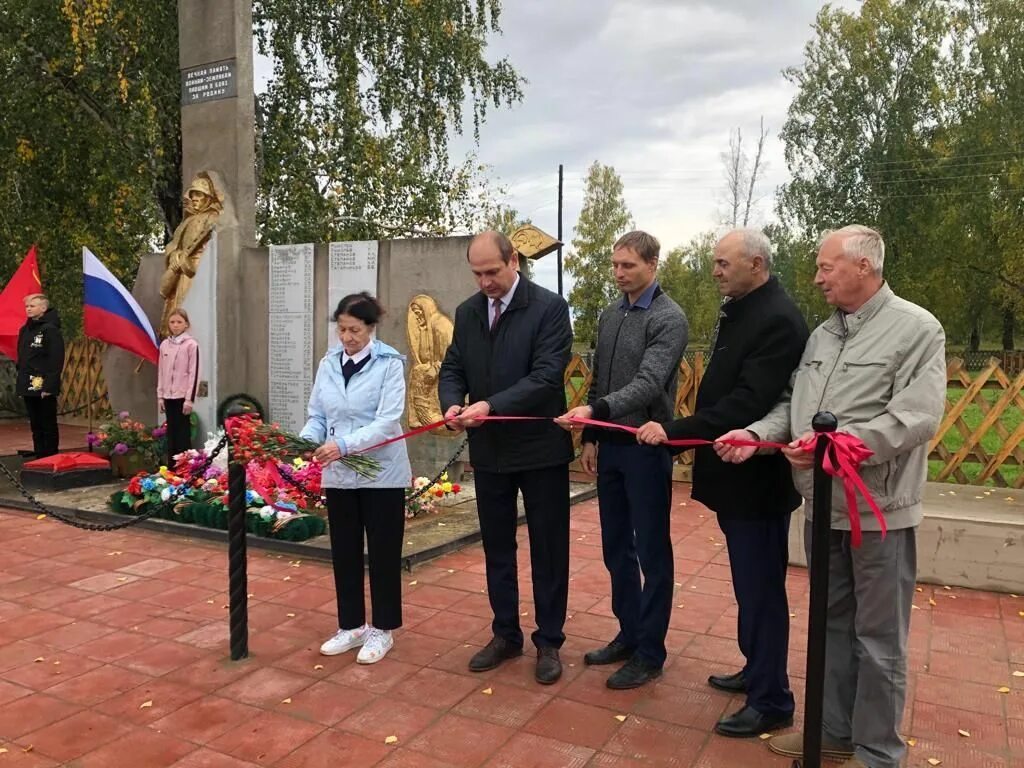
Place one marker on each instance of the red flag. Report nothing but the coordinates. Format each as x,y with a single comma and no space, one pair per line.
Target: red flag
24,282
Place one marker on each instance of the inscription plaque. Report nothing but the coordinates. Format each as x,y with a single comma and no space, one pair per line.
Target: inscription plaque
291,334
352,267
209,82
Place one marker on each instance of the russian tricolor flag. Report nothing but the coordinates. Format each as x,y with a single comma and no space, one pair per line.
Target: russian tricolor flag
112,315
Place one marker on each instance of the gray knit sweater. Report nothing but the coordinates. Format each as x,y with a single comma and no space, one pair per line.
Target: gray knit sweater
636,363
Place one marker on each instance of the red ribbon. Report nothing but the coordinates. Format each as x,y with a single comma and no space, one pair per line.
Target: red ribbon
843,458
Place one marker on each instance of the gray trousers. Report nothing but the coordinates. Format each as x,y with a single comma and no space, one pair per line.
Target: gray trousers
870,591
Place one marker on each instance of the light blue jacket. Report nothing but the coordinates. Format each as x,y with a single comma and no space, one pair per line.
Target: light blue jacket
365,413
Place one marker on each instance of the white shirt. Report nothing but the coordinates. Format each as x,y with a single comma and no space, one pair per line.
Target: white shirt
358,357
507,298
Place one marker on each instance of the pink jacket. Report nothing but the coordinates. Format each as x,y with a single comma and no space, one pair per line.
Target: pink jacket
178,372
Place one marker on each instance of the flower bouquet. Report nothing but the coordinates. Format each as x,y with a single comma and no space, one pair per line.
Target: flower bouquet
424,500
252,439
123,436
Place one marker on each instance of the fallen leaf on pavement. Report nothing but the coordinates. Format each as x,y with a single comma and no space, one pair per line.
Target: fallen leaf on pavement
146,704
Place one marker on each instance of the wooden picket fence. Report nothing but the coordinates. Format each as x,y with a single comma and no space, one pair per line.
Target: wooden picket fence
979,440
83,386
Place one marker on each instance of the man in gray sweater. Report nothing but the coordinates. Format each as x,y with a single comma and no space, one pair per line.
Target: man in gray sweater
640,341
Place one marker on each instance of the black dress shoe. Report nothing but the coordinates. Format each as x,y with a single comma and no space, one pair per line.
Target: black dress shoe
633,674
749,722
492,654
549,667
612,653
734,683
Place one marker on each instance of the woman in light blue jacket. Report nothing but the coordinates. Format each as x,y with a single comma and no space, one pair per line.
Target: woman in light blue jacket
357,402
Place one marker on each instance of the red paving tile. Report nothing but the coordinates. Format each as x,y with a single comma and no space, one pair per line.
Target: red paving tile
75,736
138,624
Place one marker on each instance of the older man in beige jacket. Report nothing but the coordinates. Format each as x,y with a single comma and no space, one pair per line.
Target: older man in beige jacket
878,363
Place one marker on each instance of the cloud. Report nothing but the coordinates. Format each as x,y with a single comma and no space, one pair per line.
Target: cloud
651,87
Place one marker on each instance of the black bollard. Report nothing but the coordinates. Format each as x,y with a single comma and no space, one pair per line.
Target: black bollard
238,579
238,586
821,528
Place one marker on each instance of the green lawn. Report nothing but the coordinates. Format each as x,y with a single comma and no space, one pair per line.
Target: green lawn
991,442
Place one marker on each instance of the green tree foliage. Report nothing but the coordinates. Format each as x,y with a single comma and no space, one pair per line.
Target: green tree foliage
352,134
89,150
604,217
355,124
504,219
908,117
685,275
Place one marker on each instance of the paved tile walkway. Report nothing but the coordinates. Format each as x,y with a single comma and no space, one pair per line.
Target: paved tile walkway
113,654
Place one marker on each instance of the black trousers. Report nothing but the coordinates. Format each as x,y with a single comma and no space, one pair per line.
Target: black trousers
42,417
546,498
758,558
634,496
179,429
379,513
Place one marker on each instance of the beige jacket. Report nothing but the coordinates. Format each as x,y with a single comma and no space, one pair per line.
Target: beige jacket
882,372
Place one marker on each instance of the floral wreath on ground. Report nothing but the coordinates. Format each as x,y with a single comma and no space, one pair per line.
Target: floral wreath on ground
275,508
283,496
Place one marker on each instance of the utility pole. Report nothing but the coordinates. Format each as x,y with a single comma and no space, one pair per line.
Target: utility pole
559,256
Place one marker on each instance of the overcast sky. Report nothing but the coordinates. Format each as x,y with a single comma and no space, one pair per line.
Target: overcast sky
650,87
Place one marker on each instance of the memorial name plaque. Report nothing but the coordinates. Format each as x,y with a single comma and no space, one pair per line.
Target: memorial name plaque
352,267
291,334
208,82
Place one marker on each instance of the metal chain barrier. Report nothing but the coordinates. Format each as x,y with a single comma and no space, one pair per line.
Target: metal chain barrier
152,511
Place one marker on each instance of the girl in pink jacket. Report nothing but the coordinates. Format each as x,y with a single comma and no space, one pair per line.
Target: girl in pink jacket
177,382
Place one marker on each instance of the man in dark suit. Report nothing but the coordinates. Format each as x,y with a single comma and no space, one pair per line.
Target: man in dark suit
511,345
757,345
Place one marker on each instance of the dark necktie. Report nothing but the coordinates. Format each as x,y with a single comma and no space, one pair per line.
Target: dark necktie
497,314
348,368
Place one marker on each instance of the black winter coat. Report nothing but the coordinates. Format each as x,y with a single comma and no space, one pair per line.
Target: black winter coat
760,340
520,370
40,356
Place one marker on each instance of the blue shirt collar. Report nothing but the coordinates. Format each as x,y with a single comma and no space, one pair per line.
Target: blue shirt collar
644,302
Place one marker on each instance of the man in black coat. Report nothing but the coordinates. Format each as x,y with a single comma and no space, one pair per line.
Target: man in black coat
757,345
510,348
40,364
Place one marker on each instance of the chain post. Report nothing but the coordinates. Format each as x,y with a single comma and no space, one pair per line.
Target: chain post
238,579
237,562
821,529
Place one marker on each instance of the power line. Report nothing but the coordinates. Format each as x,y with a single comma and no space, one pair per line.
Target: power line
1002,153
929,179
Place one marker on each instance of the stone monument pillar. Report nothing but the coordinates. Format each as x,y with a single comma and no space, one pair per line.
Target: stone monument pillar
218,138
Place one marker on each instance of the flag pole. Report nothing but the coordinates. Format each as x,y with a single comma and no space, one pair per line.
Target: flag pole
91,386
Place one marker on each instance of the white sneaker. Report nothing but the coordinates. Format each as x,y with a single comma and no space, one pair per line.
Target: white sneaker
376,646
344,640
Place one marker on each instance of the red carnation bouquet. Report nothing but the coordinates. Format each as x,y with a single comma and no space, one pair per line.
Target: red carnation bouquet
252,439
